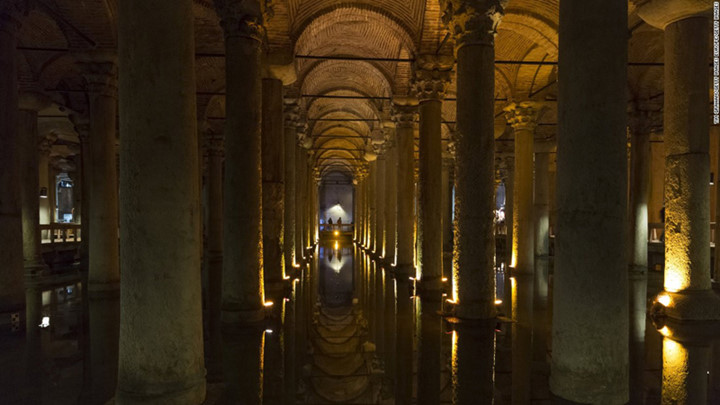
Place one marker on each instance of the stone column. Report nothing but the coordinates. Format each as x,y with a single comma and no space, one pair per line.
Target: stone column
30,104
472,365
215,152
688,295
372,206
44,173
161,337
541,322
390,242
243,295
12,296
301,198
101,75
291,112
82,127
590,301
639,128
404,342
432,75
405,123
474,24
273,188
379,234
448,167
523,118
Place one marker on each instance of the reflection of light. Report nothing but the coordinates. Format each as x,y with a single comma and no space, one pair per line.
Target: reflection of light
664,299
286,277
444,279
336,233
450,301
45,322
676,371
665,331
337,246
268,303
268,331
498,302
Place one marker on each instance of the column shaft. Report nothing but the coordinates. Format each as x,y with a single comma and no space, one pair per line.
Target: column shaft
161,339
215,251
405,191
289,196
379,236
28,143
300,201
523,250
590,304
542,192
390,204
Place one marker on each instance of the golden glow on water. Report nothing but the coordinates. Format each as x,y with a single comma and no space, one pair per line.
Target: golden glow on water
664,299
454,360
513,297
675,373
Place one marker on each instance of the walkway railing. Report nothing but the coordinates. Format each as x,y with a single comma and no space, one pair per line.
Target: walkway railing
60,233
342,228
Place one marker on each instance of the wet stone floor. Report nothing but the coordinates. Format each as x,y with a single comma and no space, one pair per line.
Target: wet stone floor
345,331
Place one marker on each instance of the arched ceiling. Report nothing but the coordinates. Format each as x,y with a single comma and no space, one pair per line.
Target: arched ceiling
355,55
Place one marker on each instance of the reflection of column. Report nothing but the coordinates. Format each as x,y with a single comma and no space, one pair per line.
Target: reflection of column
12,298
522,338
161,337
289,352
474,26
243,293
390,331
214,251
405,327
104,272
472,363
104,317
405,123
390,199
291,112
30,104
590,290
686,362
541,326
428,382
273,188
431,78
639,127
243,357
688,294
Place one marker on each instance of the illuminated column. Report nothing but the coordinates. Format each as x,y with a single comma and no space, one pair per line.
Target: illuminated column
292,114
361,221
161,339
404,130
639,127
30,104
100,71
216,155
372,206
448,167
523,118
380,204
590,295
301,192
273,188
687,161
390,197
243,293
432,75
474,25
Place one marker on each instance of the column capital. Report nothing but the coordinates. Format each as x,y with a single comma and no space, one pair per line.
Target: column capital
661,13
81,124
241,18
404,115
361,172
473,22
643,121
11,11
431,76
291,112
33,101
524,115
45,143
99,68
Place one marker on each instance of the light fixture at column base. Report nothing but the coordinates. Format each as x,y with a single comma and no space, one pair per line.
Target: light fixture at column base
688,305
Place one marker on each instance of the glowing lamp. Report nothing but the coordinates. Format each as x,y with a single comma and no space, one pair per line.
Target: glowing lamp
664,299
498,302
45,323
268,303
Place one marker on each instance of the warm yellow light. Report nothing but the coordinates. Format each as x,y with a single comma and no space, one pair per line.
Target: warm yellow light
336,233
450,301
664,299
444,279
286,277
498,302
337,246
268,303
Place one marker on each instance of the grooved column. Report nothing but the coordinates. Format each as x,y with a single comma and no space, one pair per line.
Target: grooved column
474,27
390,201
104,272
30,104
243,289
161,337
405,124
686,135
590,295
432,75
273,188
291,111
215,153
12,296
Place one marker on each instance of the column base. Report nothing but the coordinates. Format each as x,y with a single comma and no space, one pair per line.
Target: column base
474,311
190,393
688,306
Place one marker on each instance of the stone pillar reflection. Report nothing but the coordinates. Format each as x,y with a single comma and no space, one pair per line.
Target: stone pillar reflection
686,135
590,295
541,322
215,152
291,116
405,124
472,365
432,75
12,297
101,75
30,104
273,188
404,343
243,287
474,25
161,338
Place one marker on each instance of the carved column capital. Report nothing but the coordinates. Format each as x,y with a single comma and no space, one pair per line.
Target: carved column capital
404,115
241,18
291,112
100,72
215,144
45,143
431,76
473,22
524,115
661,13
